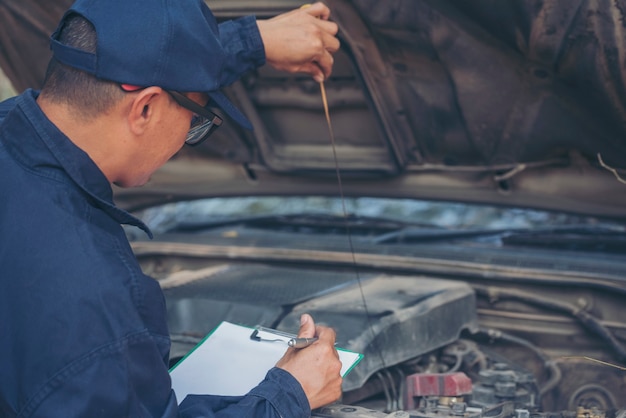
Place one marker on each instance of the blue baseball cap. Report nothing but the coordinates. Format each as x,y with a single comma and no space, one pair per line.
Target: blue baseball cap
173,44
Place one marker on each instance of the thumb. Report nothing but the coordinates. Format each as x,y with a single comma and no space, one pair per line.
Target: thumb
307,327
318,9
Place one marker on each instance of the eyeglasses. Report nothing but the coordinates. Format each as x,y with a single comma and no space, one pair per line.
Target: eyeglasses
203,122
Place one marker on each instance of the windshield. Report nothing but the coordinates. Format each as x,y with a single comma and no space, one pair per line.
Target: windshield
446,215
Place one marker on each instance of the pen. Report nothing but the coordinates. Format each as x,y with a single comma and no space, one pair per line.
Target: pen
301,342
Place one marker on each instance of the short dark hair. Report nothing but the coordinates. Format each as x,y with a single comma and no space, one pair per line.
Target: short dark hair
78,89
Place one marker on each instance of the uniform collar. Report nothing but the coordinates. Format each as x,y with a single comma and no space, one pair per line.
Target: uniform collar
51,149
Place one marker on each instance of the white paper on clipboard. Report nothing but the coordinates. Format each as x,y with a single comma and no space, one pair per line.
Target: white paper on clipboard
229,362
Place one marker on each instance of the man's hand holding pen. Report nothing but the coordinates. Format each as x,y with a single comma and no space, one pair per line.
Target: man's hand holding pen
316,367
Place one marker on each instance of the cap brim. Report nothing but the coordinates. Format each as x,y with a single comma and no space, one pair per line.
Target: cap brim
223,103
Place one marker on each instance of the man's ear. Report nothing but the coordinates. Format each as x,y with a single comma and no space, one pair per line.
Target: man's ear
143,109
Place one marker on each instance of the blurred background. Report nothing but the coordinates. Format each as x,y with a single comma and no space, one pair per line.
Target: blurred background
6,89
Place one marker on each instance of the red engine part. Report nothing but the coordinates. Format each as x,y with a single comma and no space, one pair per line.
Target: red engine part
435,384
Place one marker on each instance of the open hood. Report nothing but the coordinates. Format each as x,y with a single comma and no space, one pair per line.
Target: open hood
515,103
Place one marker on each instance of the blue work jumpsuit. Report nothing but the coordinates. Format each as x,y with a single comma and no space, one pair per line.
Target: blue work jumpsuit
83,330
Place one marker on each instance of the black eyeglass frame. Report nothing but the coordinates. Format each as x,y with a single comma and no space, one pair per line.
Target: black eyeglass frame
211,118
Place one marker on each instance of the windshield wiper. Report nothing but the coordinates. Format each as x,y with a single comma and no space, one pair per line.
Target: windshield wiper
581,237
565,237
589,238
307,222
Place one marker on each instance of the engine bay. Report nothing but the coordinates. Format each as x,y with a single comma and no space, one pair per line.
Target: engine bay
433,347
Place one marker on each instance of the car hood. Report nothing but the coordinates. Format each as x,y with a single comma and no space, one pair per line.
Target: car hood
517,103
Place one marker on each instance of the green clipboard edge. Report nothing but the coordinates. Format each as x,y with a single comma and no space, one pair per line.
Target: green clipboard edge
357,361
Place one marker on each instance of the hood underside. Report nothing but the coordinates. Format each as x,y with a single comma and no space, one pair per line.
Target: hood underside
516,103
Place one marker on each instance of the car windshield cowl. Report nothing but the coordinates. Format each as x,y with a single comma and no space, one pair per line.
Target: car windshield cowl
583,237
390,213
311,222
393,222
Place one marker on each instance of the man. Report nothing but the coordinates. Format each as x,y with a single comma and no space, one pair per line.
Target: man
83,330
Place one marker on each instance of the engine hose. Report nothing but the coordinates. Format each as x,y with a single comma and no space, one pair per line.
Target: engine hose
585,318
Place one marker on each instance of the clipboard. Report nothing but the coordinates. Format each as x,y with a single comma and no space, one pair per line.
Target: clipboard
233,359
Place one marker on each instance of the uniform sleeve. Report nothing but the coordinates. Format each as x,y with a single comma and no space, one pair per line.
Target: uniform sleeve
278,395
124,378
244,47
128,379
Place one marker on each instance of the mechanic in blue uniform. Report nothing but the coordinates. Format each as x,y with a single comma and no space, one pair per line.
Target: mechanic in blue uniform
83,330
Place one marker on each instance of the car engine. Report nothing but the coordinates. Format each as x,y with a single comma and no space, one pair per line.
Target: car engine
432,347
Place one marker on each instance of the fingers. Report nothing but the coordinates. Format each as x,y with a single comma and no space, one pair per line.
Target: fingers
325,63
327,336
329,42
307,327
317,367
301,41
329,38
319,10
